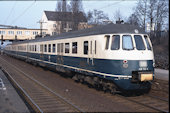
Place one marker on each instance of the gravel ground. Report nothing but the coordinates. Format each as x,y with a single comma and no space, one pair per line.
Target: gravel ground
162,60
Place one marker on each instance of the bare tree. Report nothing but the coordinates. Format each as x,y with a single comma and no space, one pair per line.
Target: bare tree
141,11
162,11
76,5
59,6
64,4
133,19
118,16
96,17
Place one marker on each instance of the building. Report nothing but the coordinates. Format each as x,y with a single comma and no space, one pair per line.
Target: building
20,34
59,22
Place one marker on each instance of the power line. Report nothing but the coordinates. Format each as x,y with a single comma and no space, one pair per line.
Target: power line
12,9
22,13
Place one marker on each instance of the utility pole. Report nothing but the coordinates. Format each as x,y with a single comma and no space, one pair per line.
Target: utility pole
41,26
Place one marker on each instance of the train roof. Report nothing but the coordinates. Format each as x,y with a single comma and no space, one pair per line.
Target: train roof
101,29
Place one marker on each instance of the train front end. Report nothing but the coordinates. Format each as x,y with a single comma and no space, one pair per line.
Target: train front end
133,61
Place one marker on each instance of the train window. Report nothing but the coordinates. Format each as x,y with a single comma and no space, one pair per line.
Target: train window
35,47
115,42
58,48
85,47
74,47
41,48
62,47
67,47
107,41
147,42
139,42
49,48
127,42
53,48
45,48
95,46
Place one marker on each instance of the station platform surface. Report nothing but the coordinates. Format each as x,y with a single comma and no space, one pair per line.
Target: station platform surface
10,101
162,74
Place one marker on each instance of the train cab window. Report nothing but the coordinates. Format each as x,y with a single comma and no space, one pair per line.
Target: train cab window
147,42
85,47
74,47
127,42
53,48
107,42
139,42
45,48
115,42
49,48
67,47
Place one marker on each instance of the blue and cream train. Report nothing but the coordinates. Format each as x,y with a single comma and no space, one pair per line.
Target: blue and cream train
111,57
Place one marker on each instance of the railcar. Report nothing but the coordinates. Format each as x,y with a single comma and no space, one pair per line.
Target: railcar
112,57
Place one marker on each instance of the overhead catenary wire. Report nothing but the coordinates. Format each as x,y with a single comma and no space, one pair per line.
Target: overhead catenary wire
12,9
23,12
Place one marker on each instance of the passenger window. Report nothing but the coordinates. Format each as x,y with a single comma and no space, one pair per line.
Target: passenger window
53,48
74,47
139,42
107,42
115,42
147,42
58,48
45,48
67,47
62,47
85,47
95,47
127,42
35,47
41,48
49,47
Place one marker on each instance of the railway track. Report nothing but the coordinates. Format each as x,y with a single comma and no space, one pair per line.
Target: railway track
147,102
154,102
40,97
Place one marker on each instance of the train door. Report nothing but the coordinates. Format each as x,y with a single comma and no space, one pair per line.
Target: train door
91,52
60,47
41,52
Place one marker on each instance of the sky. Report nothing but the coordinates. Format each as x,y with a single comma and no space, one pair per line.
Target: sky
28,13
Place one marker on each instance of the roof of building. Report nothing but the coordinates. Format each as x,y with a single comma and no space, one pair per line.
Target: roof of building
65,16
101,29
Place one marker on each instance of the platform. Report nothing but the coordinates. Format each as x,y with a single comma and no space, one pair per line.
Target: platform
10,101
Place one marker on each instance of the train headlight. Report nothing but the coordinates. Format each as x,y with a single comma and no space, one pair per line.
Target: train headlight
143,63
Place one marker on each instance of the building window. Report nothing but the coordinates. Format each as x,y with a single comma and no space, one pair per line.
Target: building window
11,32
2,32
54,33
74,47
67,47
54,25
35,33
27,32
19,32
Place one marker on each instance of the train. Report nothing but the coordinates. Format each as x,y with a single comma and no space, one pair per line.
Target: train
113,57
